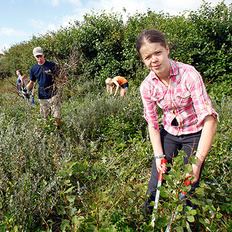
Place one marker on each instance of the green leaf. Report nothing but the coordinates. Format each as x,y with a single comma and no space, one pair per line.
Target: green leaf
72,211
207,222
193,159
110,229
180,208
219,215
188,168
193,212
160,222
186,188
67,182
77,220
179,229
69,189
195,201
64,225
205,208
200,190
188,209
71,198
152,203
202,184
63,173
171,182
190,218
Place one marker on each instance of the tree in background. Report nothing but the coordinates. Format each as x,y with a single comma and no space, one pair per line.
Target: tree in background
106,44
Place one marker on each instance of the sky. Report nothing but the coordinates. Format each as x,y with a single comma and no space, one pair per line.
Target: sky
20,20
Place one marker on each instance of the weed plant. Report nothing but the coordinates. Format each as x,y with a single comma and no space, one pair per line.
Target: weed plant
92,174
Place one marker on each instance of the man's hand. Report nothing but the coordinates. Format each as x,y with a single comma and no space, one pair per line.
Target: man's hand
30,85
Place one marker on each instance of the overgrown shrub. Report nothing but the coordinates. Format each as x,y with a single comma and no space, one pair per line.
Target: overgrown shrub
92,175
106,44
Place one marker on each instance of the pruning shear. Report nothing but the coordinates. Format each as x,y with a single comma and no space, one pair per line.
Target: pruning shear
160,179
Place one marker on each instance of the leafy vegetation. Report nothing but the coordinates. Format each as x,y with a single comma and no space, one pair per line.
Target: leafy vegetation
106,44
92,174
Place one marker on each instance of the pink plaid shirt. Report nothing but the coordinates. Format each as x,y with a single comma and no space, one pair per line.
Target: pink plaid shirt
185,98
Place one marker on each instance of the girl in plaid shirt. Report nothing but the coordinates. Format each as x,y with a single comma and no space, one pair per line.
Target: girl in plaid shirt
188,121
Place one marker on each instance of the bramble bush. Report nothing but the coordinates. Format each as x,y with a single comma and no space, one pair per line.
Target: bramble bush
93,175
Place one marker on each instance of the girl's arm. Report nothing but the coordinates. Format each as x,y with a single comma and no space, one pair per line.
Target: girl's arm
117,86
157,148
108,89
206,141
22,85
206,115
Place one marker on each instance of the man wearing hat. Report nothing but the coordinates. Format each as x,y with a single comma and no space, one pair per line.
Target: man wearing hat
46,73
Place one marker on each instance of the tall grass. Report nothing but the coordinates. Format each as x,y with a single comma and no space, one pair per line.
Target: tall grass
92,174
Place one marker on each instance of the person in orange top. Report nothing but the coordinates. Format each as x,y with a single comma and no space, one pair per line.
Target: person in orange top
117,82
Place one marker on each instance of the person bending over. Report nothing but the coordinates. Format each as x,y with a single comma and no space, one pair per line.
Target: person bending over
188,121
118,82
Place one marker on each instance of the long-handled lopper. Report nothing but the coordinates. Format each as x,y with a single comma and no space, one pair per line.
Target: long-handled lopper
181,198
157,195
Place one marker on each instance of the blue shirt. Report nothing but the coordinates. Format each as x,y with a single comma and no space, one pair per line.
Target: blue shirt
19,80
19,84
45,76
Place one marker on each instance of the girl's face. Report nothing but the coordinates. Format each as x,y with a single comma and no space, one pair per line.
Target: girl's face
155,57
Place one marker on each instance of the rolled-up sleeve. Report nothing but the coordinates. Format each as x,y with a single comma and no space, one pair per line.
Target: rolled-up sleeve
150,111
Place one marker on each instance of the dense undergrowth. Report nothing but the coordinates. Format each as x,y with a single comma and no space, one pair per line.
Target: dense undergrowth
92,174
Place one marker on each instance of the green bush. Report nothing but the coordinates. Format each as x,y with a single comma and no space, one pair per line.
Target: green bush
105,44
92,174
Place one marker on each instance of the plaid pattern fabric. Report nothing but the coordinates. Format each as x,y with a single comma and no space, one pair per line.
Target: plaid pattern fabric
184,100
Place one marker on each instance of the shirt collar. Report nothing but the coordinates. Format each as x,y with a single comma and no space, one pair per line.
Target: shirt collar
173,68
